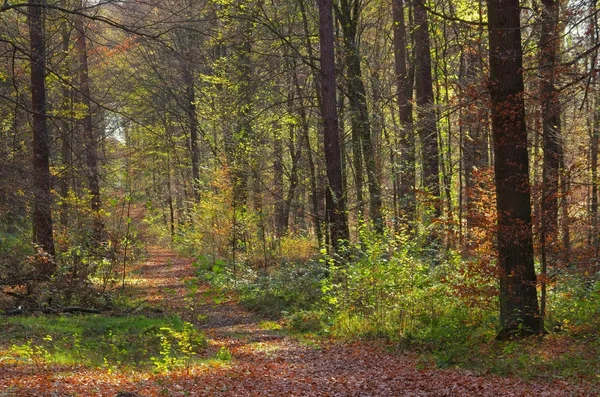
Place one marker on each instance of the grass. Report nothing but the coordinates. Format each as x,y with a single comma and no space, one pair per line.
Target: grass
98,341
556,356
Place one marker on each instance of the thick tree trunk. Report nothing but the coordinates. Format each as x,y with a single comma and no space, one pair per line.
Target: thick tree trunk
336,208
89,138
426,125
405,173
42,199
519,313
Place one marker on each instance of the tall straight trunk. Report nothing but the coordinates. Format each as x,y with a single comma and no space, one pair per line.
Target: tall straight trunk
406,169
519,312
595,137
295,152
295,146
336,208
42,199
474,131
315,196
66,131
295,149
594,143
280,221
304,140
348,15
89,138
239,143
190,99
551,131
170,200
426,125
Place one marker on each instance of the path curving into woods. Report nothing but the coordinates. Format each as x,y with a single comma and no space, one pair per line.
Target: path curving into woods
264,362
268,363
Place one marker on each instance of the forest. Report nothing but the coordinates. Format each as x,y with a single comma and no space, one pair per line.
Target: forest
293,197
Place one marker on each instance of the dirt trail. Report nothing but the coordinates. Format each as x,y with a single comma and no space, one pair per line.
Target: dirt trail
267,363
263,363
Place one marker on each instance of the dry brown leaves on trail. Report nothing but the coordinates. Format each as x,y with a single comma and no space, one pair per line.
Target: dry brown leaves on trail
264,363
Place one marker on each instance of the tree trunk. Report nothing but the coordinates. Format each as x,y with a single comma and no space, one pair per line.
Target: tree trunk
190,99
551,131
316,203
89,138
519,313
348,14
595,240
336,208
406,169
426,124
472,121
42,199
239,144
594,143
280,217
66,131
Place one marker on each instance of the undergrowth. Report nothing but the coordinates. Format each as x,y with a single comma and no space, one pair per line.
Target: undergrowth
402,290
135,342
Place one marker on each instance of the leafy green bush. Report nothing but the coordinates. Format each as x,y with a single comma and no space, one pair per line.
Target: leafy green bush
306,321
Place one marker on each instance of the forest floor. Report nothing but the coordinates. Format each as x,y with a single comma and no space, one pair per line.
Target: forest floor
261,359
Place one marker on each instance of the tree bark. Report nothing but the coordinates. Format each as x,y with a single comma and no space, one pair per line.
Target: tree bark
594,145
42,199
405,173
280,217
89,138
551,132
66,131
336,208
190,99
519,313
426,125
473,119
348,14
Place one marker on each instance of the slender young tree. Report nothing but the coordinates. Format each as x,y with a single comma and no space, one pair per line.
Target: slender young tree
519,312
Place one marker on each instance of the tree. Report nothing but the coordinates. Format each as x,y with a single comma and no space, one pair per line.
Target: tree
404,81
89,138
519,312
336,204
426,124
42,200
348,14
551,132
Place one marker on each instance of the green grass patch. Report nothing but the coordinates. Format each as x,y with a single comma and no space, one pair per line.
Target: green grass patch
94,341
269,326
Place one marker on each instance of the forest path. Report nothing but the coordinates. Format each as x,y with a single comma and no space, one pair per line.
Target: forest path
270,363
